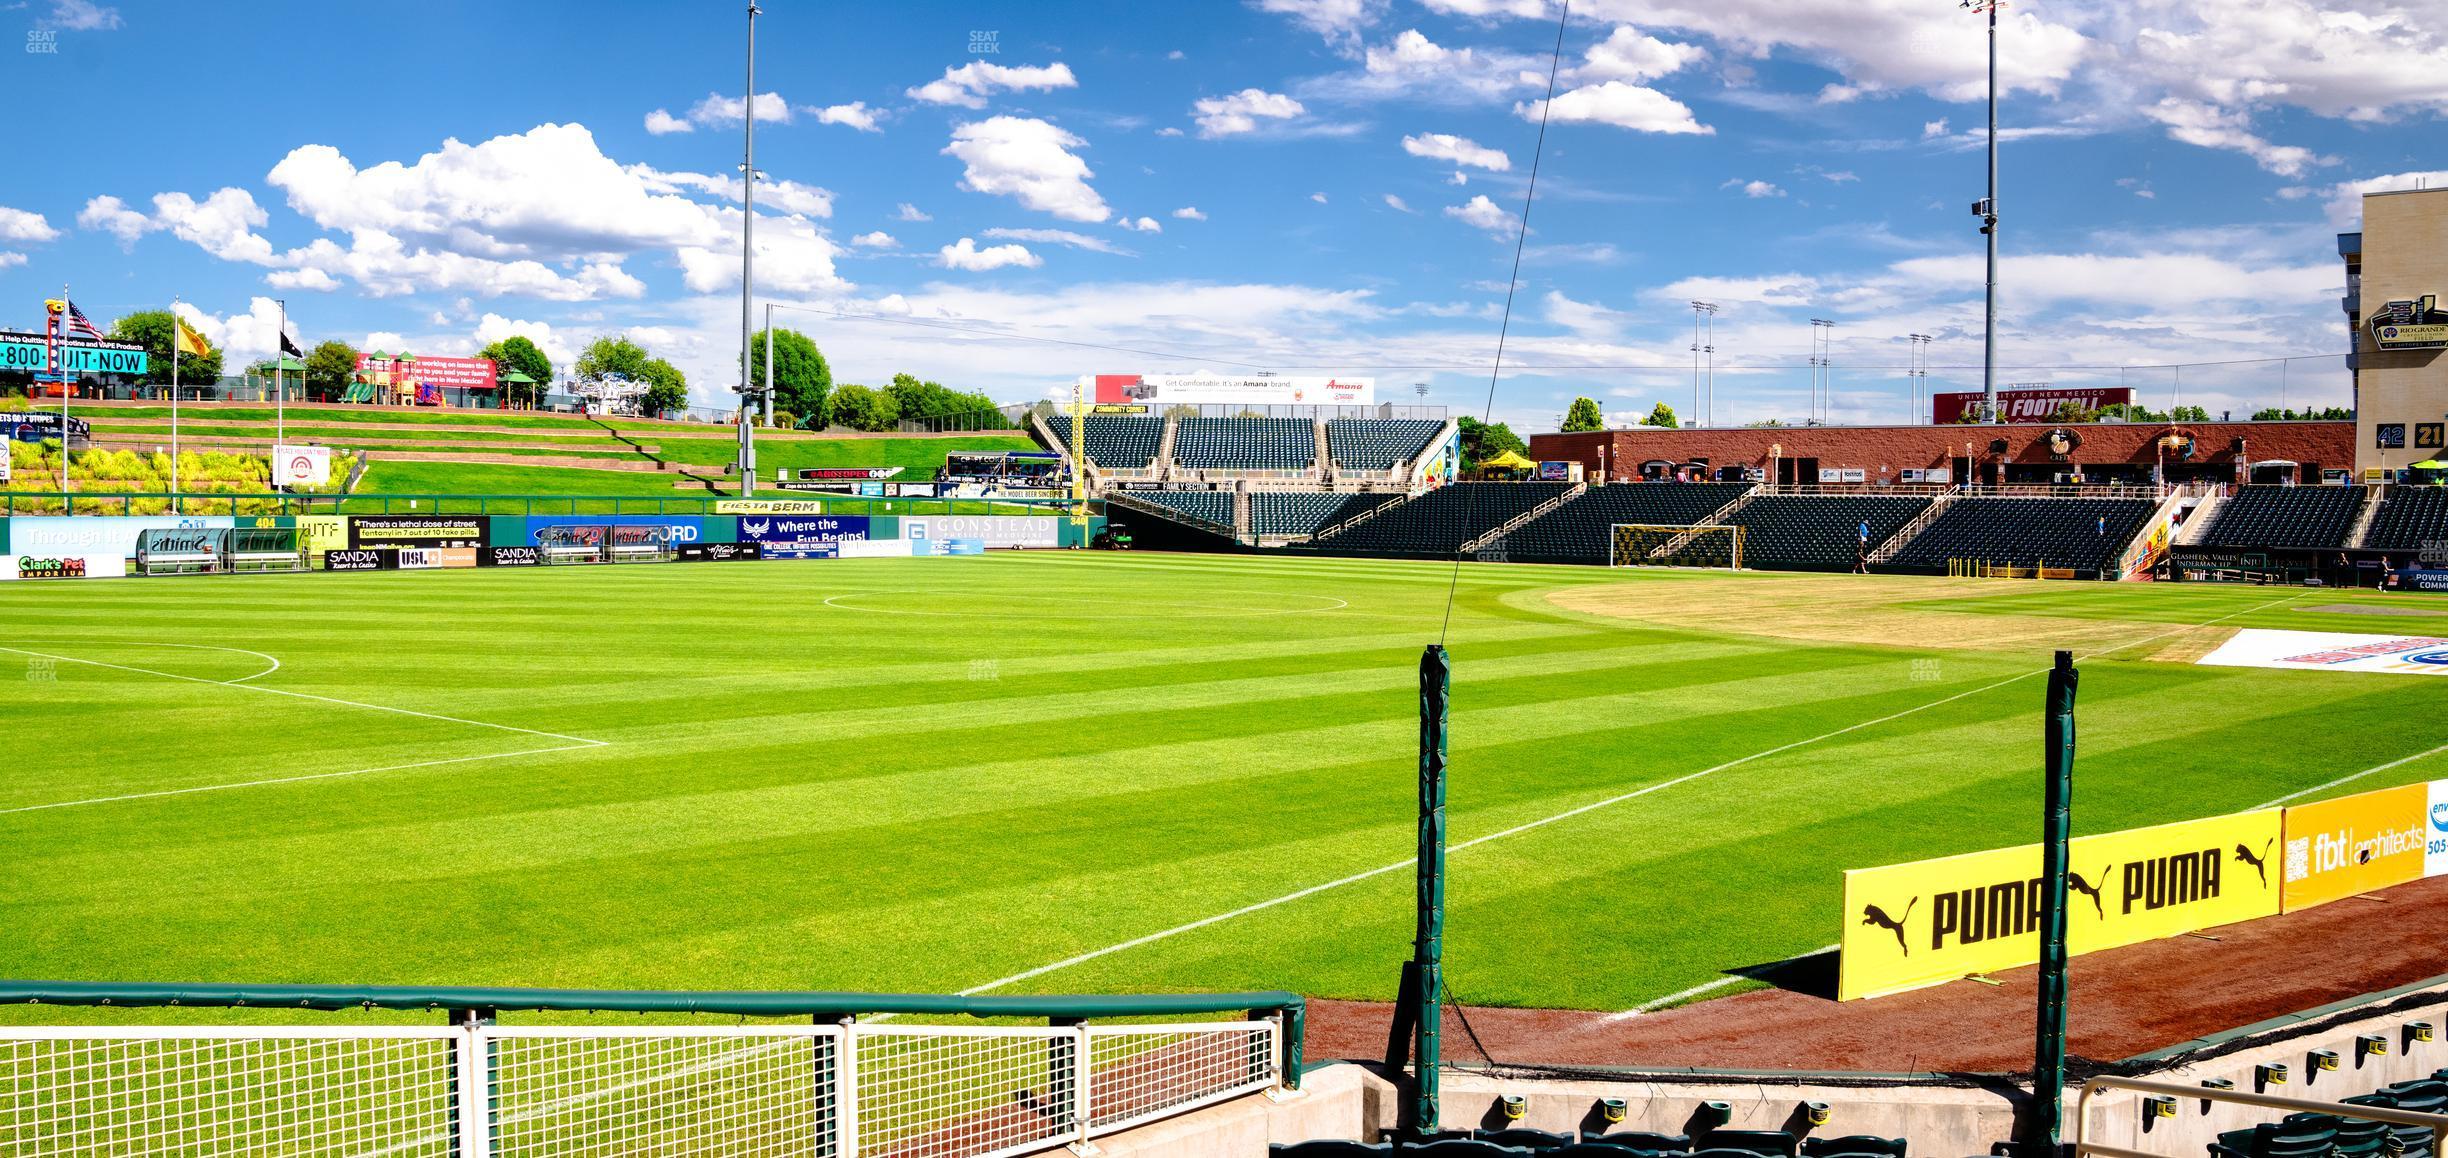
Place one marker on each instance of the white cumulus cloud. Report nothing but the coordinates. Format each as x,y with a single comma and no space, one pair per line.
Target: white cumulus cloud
1240,112
969,85
1626,106
23,225
967,255
1458,150
1030,161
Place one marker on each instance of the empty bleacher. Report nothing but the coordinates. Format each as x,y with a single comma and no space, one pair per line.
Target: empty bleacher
1437,523
2284,517
2082,534
1245,444
1115,441
1590,1144
1577,531
2409,517
1306,512
1378,443
1209,506
1806,531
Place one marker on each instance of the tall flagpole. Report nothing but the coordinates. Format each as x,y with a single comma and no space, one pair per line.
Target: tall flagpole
59,365
280,353
176,341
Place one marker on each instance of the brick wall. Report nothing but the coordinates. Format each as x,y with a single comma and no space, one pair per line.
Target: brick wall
1885,451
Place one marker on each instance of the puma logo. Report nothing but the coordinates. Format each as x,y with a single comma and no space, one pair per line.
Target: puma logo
1874,915
2075,881
2246,855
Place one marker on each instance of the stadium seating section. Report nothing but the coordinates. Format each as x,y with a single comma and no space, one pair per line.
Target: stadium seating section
2083,534
1306,513
1245,444
1439,522
2279,516
1212,506
1577,531
1817,530
1378,443
2408,518
1115,441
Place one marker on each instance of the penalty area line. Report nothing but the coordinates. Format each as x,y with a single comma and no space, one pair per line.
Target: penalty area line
579,740
1609,802
299,779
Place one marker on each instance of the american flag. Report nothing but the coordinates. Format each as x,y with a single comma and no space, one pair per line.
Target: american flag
77,325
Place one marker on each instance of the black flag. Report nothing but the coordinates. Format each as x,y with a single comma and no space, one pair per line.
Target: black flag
290,348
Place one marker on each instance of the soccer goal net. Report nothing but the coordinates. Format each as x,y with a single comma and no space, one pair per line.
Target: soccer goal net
1647,545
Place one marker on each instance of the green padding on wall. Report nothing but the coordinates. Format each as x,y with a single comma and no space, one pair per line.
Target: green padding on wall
506,531
1075,535
718,529
4,536
884,527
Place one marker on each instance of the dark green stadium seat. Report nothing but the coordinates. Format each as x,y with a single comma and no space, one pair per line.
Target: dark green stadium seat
1643,1140
1588,1149
2298,1136
2082,534
1775,1143
1329,1148
2408,518
1466,1148
1526,1138
2282,516
1852,1144
2359,1138
1378,443
1728,1152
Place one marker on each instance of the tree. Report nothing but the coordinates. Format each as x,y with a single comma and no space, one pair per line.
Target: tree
330,366
2131,412
1482,441
2190,414
151,329
518,352
1661,415
801,378
666,387
860,408
610,358
932,402
1583,416
2070,411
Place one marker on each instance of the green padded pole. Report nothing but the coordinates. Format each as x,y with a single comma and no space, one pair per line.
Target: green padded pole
2056,821
1428,945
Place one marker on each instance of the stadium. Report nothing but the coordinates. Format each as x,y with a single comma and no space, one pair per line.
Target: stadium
1219,762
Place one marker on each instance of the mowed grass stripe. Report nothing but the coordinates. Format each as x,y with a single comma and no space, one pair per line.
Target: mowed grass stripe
795,831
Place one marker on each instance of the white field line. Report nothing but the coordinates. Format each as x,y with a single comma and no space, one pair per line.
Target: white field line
297,779
2351,777
576,742
1567,814
307,696
1696,990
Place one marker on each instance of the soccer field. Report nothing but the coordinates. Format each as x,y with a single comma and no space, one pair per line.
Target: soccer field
1071,772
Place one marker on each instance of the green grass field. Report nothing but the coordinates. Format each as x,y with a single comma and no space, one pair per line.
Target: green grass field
934,775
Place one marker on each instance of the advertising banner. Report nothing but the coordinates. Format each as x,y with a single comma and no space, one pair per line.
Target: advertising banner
2354,844
769,506
1160,390
850,473
2026,405
301,466
361,559
416,531
509,556
718,552
88,546
997,531
2331,651
2435,836
2417,579
468,373
36,426
320,533
23,351
673,529
1932,921
789,537
423,558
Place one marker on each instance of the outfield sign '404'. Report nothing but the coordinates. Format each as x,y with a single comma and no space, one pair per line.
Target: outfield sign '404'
22,351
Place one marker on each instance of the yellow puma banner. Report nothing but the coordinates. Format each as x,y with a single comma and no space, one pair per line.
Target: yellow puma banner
1930,921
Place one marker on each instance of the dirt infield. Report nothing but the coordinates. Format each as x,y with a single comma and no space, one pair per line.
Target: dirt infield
2122,1002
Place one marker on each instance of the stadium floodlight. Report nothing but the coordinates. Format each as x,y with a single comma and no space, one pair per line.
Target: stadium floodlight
1986,210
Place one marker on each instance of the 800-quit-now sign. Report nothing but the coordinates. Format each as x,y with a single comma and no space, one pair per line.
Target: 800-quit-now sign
22,351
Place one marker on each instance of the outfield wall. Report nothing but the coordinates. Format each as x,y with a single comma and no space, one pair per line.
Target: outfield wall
1928,922
104,546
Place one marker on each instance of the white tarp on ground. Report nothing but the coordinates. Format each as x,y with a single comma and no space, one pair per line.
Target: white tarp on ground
2332,651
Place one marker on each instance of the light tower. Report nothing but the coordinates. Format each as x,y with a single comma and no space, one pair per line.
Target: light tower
1704,315
1918,384
1823,335
1986,210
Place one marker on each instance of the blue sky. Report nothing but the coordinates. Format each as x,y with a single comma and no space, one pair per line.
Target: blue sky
1320,186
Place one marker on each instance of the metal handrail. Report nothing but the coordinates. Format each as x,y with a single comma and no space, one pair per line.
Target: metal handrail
2436,1123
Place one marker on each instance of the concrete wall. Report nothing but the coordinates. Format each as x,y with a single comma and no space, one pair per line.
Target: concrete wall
1351,1101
